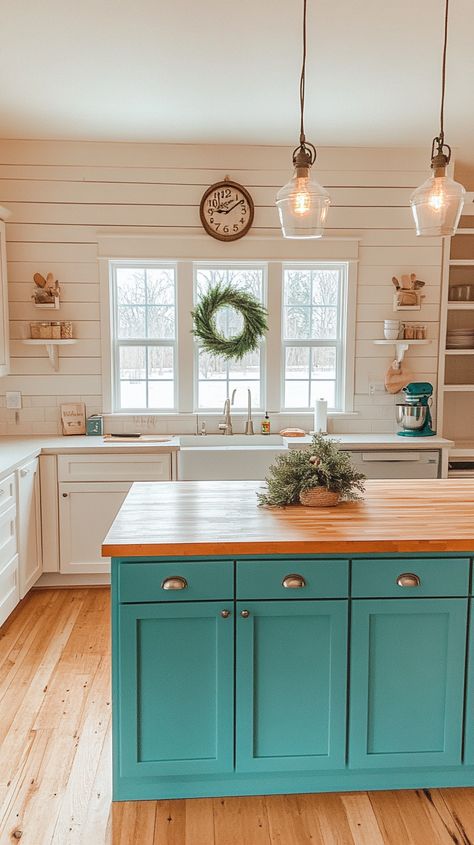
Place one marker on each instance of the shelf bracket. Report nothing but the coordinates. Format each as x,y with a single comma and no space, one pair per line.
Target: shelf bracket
53,355
400,349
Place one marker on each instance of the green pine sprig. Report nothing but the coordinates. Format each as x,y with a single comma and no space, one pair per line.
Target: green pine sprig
322,465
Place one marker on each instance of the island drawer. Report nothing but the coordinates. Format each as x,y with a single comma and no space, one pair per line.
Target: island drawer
292,579
410,577
100,467
175,580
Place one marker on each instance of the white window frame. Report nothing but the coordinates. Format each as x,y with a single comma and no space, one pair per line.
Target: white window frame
231,265
117,343
185,376
343,343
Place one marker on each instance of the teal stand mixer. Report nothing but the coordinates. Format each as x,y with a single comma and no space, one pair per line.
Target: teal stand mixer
414,414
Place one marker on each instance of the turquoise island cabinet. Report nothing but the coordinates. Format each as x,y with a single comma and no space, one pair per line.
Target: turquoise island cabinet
240,674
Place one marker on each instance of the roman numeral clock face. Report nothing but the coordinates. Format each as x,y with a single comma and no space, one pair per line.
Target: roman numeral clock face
226,211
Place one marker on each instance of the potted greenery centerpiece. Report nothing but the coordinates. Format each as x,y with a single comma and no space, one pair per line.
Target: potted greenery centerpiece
317,477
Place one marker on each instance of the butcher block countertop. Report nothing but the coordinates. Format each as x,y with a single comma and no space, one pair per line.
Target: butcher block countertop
195,518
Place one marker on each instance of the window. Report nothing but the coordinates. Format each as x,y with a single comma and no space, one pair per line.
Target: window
216,378
144,317
157,365
313,335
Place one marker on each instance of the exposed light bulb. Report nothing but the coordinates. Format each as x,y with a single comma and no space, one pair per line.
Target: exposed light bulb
302,199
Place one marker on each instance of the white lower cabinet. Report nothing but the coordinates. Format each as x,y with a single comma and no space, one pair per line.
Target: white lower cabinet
9,588
29,526
86,512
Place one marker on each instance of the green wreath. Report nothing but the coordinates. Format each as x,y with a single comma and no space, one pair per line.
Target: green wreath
253,313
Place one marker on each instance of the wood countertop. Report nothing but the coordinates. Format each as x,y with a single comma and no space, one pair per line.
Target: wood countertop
190,518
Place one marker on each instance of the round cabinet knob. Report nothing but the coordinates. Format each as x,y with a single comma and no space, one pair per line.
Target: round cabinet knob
225,614
293,582
64,495
408,579
245,614
175,582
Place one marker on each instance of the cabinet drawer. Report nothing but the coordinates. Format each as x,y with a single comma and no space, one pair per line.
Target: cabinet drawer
310,579
410,578
131,467
7,492
146,582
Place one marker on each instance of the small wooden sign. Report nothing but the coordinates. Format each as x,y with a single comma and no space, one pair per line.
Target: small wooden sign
73,418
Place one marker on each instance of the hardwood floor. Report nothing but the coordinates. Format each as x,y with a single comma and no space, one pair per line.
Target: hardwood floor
55,759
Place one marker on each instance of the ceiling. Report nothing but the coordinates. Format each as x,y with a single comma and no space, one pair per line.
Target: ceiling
220,71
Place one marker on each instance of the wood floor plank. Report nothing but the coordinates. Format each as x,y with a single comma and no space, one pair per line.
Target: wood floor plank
199,822
286,822
362,819
170,823
90,739
240,820
460,803
98,821
327,816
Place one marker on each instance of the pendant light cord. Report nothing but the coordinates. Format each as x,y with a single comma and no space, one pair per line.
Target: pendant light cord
443,73
303,77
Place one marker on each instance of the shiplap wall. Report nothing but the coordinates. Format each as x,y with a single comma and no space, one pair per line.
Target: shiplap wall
67,196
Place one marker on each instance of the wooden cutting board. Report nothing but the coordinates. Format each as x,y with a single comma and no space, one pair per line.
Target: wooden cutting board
396,378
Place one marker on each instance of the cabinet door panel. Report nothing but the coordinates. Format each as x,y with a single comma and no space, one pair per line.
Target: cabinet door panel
407,682
469,733
291,685
176,689
86,512
29,526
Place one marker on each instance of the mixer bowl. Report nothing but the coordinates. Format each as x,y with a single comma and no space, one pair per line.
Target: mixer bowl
411,417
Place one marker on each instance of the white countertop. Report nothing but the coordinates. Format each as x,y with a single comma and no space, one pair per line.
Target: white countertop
15,451
381,441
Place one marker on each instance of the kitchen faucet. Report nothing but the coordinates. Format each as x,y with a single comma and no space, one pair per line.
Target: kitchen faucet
226,426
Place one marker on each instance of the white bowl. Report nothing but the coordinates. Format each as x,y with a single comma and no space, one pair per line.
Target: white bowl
391,334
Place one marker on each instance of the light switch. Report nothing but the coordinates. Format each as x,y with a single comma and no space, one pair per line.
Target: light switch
13,399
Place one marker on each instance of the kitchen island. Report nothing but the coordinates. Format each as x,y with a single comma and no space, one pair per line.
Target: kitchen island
261,651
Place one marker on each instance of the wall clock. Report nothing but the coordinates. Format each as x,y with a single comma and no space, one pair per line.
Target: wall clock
226,211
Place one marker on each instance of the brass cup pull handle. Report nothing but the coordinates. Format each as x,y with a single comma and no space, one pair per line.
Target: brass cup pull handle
293,582
408,579
176,582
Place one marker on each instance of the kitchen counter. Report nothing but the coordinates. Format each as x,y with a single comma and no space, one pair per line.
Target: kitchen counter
222,518
14,451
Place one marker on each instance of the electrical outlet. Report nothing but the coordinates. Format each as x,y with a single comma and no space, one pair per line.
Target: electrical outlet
376,387
13,399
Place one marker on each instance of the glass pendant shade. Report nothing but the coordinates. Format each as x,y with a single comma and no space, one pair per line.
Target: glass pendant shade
302,206
437,205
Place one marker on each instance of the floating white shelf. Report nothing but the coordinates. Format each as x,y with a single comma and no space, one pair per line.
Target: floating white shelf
51,347
463,449
401,346
459,351
460,306
458,388
48,306
461,262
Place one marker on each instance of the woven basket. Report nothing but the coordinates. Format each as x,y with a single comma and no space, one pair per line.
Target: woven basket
319,497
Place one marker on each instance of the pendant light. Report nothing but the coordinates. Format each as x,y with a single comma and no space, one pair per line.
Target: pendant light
437,204
303,203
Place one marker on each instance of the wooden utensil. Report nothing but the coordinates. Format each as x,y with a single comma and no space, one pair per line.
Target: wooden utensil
39,280
396,377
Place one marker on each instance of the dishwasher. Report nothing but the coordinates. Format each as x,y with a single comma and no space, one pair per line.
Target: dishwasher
397,463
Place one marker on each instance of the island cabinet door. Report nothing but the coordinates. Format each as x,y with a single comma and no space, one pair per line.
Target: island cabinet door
175,689
407,682
291,685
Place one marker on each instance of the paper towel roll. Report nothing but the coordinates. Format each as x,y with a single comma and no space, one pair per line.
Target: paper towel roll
321,416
